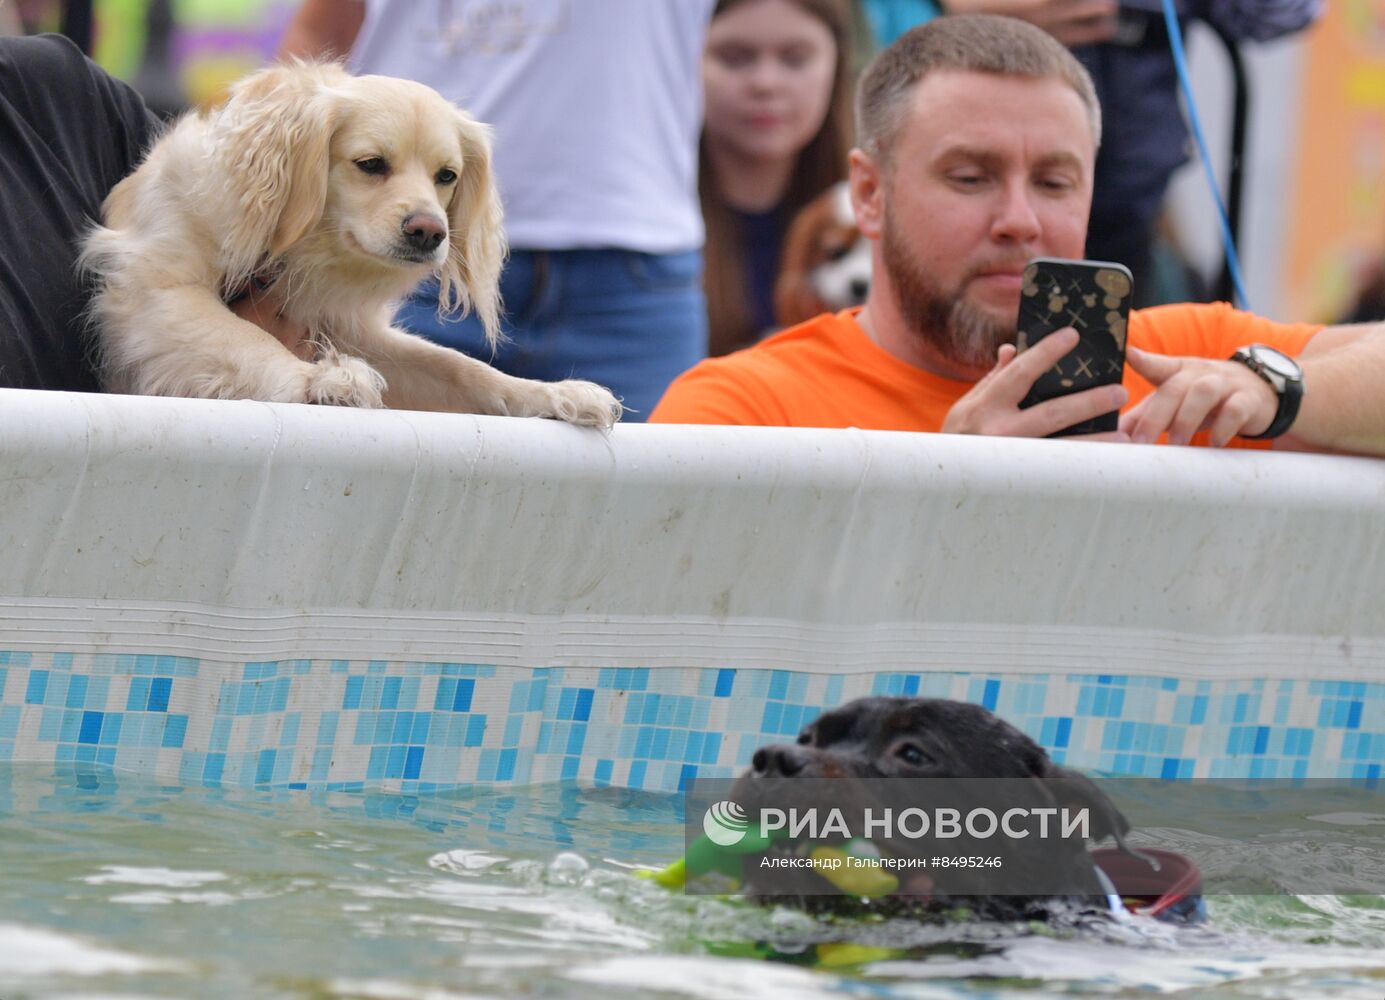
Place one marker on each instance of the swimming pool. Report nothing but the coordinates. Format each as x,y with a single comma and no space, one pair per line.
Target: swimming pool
120,885
297,701
248,594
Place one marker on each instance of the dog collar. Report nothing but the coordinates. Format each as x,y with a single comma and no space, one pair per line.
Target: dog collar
1160,884
257,284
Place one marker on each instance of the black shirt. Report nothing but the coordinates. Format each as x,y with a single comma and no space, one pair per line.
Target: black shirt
68,133
764,237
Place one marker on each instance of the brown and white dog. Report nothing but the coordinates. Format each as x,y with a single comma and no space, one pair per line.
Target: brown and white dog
324,198
825,265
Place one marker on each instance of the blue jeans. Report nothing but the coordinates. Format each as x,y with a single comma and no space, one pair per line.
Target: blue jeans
632,322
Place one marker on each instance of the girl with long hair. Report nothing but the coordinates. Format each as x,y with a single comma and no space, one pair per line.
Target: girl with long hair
778,84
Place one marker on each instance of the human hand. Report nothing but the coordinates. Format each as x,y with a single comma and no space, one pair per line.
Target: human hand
992,405
1072,22
292,335
1193,394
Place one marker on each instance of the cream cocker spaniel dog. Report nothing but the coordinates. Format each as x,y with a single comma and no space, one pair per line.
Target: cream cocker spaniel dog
321,198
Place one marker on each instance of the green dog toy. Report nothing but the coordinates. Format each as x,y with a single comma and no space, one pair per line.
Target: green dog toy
853,867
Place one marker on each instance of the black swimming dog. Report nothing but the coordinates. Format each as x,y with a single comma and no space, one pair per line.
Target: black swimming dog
923,741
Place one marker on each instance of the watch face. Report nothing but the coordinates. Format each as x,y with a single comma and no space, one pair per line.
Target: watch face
1277,361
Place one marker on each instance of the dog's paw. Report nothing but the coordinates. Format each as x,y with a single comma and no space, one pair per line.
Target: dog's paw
584,403
341,380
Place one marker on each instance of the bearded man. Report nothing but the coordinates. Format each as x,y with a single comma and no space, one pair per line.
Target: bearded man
978,137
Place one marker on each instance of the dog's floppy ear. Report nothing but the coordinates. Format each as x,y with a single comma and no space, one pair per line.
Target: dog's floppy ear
274,136
476,237
1076,791
795,299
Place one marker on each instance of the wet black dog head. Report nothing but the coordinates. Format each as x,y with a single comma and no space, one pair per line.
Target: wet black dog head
923,739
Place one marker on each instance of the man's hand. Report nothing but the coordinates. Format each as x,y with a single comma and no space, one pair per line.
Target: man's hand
992,405
1072,22
1193,394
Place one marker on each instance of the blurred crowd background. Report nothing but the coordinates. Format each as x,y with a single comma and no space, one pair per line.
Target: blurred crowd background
178,53
1313,216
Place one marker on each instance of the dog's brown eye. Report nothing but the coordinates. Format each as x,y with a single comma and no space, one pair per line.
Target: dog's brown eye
445,176
373,165
837,253
911,754
804,739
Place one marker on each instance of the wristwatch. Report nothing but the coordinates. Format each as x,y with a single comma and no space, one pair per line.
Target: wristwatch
1285,378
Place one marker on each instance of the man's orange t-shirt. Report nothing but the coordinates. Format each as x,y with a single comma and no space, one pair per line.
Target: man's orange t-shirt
827,372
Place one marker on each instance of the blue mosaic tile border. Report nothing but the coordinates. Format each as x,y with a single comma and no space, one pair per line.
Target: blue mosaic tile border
351,725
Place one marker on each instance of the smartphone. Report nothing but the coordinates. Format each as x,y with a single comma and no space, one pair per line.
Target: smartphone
1093,296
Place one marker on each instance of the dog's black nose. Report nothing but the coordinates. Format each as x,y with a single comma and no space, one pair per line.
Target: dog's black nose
424,232
785,760
859,288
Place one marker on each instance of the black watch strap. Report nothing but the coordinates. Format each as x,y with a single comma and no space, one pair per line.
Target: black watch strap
1289,389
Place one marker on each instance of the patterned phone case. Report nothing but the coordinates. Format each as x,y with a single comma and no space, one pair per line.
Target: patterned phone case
1093,297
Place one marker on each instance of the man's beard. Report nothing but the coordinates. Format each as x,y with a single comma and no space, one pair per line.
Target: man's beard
958,330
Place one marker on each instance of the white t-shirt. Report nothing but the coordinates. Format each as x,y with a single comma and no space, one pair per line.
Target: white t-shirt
596,107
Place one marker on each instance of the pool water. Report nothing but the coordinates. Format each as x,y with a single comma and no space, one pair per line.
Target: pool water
119,886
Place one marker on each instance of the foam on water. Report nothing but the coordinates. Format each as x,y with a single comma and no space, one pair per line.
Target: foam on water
34,951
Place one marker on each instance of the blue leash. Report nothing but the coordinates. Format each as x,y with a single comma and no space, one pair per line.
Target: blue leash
1180,62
